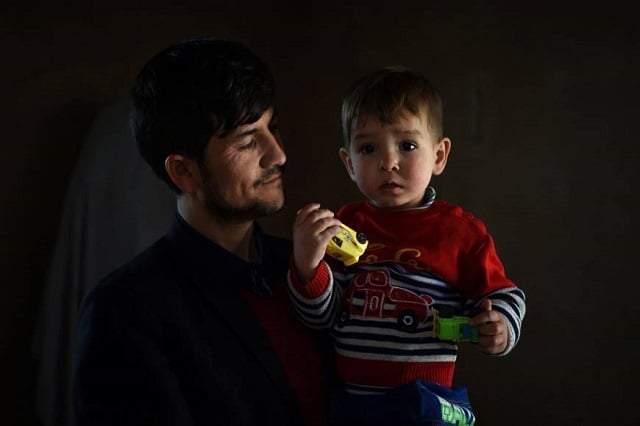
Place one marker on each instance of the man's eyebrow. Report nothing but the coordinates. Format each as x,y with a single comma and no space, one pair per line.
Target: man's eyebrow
244,133
249,129
245,130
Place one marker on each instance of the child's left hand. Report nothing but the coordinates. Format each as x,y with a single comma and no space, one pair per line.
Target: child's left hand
492,330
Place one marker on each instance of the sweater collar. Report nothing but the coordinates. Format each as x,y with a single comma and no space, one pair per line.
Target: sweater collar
429,197
427,201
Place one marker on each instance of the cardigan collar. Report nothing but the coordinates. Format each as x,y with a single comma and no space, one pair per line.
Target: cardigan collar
223,277
211,259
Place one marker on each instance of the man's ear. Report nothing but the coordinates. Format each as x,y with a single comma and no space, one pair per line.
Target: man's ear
183,172
442,154
346,160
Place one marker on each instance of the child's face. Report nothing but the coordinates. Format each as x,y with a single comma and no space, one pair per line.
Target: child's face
392,164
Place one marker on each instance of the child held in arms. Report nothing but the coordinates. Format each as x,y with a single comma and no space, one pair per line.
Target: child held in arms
423,253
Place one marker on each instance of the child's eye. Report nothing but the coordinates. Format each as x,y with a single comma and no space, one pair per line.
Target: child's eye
408,146
366,149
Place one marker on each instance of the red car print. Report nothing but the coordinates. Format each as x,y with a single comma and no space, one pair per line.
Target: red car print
370,295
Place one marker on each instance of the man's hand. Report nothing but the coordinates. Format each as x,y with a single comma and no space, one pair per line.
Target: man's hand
312,230
492,330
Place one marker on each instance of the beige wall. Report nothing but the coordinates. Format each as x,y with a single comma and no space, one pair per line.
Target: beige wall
541,106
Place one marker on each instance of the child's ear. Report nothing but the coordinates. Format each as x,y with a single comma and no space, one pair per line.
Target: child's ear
183,172
442,154
346,160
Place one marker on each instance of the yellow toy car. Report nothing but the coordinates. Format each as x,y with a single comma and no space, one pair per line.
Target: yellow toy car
347,246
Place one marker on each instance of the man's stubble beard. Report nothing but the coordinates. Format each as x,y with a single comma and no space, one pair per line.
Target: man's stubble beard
230,213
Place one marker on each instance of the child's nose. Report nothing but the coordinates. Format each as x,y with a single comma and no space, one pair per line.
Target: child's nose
389,162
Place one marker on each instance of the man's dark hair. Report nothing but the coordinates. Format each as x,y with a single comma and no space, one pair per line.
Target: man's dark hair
192,91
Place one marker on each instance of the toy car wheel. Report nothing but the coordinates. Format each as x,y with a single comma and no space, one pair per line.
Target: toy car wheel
342,318
408,320
361,237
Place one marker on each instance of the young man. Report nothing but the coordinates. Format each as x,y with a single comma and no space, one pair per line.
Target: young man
197,329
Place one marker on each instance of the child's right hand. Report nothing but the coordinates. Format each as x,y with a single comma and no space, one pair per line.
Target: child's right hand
312,230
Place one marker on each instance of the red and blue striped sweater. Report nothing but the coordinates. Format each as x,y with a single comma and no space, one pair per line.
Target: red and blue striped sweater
380,308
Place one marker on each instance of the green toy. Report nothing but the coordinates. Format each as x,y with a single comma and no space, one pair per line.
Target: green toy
447,326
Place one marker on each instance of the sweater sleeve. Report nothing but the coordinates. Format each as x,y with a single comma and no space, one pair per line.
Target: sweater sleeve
510,302
316,301
485,272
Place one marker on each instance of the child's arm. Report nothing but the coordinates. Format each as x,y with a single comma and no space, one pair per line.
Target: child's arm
311,231
310,280
493,335
501,304
500,320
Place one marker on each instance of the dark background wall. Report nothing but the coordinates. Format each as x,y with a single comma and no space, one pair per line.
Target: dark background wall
541,103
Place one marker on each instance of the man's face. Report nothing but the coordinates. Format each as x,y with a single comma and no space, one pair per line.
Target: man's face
242,171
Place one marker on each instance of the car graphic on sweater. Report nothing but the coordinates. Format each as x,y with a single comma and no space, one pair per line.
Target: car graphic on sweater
370,295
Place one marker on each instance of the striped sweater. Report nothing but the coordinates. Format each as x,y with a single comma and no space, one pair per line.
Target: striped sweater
380,308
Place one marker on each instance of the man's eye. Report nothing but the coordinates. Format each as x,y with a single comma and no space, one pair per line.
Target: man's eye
408,146
366,149
249,145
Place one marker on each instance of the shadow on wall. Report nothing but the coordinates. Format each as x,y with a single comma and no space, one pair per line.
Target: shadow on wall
114,207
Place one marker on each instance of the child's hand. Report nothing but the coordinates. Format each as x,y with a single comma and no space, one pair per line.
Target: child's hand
492,330
312,230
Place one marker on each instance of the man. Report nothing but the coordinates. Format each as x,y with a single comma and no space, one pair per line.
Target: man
197,329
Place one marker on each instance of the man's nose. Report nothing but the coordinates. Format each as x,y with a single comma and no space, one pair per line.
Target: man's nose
274,154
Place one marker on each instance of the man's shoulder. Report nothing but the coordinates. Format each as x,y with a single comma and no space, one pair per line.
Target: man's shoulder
148,269
150,282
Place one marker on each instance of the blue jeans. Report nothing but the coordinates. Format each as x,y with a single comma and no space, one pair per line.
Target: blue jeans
418,403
